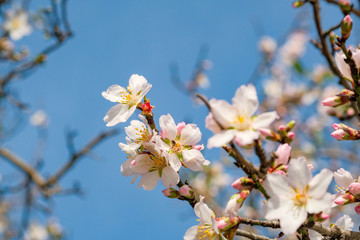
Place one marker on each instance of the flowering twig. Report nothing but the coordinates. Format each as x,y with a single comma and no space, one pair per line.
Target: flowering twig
251,235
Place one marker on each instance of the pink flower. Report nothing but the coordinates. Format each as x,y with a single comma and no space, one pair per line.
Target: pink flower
283,152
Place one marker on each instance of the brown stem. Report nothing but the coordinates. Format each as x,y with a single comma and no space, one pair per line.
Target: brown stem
251,235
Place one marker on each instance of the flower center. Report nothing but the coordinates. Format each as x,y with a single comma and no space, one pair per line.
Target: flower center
300,199
206,232
142,134
15,24
242,122
158,162
127,97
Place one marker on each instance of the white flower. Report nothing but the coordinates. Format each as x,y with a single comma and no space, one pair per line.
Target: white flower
152,166
237,119
17,24
181,143
294,196
344,223
36,232
128,99
343,66
137,133
39,119
207,228
293,48
267,45
343,178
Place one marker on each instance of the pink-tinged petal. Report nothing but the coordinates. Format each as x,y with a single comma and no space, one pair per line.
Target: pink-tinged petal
320,183
180,127
149,180
277,186
293,220
354,188
222,138
113,93
204,212
223,112
345,223
343,178
135,127
190,135
342,65
139,85
169,177
141,164
299,174
118,113
193,159
211,124
246,100
246,137
356,56
125,168
275,208
191,233
264,120
168,127
317,205
283,152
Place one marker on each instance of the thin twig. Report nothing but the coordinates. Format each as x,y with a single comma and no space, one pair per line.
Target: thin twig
251,235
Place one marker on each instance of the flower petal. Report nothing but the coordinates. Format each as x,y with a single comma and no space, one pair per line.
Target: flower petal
320,183
169,177
293,220
168,127
223,112
299,174
191,233
343,178
113,93
149,180
118,113
222,138
138,85
190,135
317,205
277,186
246,100
264,119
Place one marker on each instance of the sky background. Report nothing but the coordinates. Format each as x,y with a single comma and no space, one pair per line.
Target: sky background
113,40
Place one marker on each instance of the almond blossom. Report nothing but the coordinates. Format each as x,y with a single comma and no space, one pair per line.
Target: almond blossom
181,143
128,99
152,166
207,228
237,120
17,24
294,196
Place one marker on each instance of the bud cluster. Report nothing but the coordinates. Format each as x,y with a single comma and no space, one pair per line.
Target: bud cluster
282,135
341,98
344,132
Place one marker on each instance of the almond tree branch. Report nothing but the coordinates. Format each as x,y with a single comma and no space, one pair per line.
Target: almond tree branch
77,156
251,235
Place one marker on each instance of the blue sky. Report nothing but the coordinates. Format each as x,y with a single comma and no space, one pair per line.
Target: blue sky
112,41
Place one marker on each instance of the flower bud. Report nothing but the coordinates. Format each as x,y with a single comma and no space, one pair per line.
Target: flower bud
171,193
354,188
235,203
346,26
332,38
283,153
291,135
344,199
243,182
290,125
357,209
147,108
186,191
344,132
266,132
298,4
282,128
345,5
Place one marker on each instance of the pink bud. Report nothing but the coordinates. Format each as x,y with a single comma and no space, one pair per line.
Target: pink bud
281,172
344,199
265,132
338,134
132,163
357,209
171,193
350,112
282,128
221,224
242,183
331,101
336,126
283,153
186,191
310,166
354,188
244,194
180,127
340,200
291,135
324,216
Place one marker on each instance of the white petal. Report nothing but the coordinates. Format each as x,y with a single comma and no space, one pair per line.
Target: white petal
277,186
138,85
191,233
342,65
174,161
320,183
343,178
274,208
135,128
169,177
293,220
222,138
315,235
299,174
194,159
113,93
190,135
246,137
125,168
223,112
345,223
143,163
264,119
118,113
168,127
246,100
204,212
149,180
317,205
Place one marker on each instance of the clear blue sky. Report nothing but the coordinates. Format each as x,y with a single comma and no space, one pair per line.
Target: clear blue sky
114,39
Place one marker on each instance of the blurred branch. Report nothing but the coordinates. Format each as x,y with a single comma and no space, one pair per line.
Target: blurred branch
251,235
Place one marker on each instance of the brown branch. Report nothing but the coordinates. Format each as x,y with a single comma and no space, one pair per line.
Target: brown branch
262,157
77,156
251,235
251,222
23,166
